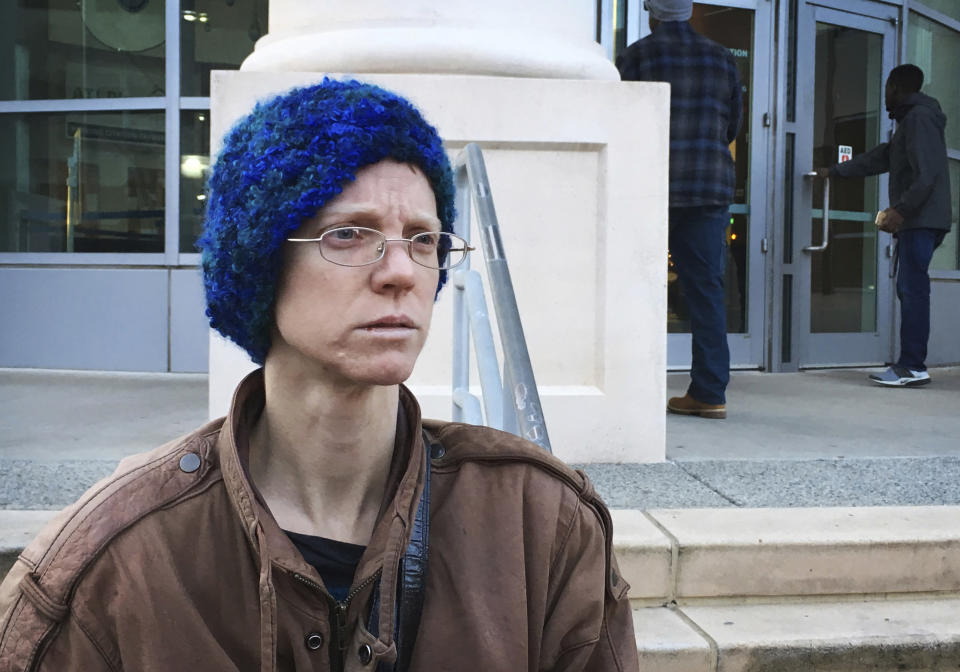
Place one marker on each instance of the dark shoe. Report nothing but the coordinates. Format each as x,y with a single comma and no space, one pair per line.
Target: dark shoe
687,405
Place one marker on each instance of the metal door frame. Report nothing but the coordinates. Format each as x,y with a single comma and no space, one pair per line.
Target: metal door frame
834,349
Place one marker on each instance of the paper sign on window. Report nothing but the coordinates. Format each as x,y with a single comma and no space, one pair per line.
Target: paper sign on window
844,153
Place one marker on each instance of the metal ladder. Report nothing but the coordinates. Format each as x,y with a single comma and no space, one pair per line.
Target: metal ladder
512,404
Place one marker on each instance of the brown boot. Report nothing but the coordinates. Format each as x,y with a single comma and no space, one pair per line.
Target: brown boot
687,405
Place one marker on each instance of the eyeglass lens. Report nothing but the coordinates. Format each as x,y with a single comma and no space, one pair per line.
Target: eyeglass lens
359,246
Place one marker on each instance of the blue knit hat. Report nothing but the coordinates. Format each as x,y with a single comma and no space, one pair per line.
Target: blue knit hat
282,163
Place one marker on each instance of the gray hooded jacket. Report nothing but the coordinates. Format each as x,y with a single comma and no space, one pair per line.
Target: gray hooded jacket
916,158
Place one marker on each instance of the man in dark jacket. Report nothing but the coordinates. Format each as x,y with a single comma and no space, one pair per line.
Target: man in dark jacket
919,213
704,120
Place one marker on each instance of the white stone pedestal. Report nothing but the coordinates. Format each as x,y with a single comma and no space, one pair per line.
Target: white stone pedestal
534,38
578,170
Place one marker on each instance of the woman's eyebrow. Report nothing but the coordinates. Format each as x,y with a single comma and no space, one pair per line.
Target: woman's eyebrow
338,211
372,212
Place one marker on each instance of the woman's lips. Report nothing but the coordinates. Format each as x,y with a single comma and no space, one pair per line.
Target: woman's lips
390,324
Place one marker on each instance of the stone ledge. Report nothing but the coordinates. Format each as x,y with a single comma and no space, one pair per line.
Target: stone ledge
667,643
682,554
643,555
695,554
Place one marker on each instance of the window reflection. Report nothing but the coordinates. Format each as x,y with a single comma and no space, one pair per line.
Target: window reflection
194,170
935,49
847,114
82,49
733,28
82,182
947,256
217,35
949,7
735,284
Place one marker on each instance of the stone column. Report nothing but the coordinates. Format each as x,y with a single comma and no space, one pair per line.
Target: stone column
504,38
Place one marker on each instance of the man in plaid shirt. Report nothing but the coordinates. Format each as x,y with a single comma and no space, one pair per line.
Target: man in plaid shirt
704,119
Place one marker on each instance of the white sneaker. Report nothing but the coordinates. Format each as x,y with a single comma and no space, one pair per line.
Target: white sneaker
900,376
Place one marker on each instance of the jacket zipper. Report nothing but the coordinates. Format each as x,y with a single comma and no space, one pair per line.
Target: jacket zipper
338,625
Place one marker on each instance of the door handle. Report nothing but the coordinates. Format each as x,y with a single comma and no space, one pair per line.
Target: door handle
826,215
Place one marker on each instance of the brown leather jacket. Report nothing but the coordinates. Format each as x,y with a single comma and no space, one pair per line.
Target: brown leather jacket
173,563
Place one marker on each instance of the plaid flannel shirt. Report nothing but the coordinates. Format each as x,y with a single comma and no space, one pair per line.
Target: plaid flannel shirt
704,108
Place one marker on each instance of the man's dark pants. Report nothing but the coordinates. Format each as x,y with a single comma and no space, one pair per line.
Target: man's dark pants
915,249
698,249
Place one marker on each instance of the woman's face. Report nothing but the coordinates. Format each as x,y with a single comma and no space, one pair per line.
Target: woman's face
363,324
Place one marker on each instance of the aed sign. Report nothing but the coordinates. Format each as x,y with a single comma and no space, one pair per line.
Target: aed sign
844,153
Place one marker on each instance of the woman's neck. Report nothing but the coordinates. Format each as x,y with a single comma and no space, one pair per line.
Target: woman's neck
320,453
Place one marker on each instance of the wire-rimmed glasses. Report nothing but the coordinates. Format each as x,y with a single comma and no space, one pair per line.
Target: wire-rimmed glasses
360,246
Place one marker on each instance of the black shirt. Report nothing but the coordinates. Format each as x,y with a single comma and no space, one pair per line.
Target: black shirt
335,561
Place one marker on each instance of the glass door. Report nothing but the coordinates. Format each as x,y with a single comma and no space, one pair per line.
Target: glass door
844,301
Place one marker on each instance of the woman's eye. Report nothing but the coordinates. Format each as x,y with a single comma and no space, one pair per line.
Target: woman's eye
427,239
348,237
344,234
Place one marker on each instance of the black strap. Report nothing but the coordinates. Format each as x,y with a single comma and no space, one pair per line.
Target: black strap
411,585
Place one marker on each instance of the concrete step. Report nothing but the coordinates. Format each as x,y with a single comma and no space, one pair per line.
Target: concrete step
825,589
834,636
697,554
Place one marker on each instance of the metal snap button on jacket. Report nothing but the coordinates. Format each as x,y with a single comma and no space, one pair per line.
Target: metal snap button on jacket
189,463
314,641
365,654
437,451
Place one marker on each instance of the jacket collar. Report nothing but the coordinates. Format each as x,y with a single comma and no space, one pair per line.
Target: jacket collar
665,28
392,531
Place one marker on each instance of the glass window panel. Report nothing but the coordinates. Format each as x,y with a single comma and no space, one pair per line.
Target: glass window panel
846,112
947,256
599,28
216,35
733,28
54,49
935,49
194,170
619,27
948,7
843,277
82,182
792,62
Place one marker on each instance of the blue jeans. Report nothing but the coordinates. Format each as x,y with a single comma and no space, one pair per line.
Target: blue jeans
698,247
914,250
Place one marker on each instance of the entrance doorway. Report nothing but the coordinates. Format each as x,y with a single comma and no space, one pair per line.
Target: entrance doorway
839,294
744,29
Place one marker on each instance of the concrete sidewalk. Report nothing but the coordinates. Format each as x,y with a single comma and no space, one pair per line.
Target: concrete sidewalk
824,438
817,438
825,414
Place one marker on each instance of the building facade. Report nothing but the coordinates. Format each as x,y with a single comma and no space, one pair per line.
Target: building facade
104,111
803,290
